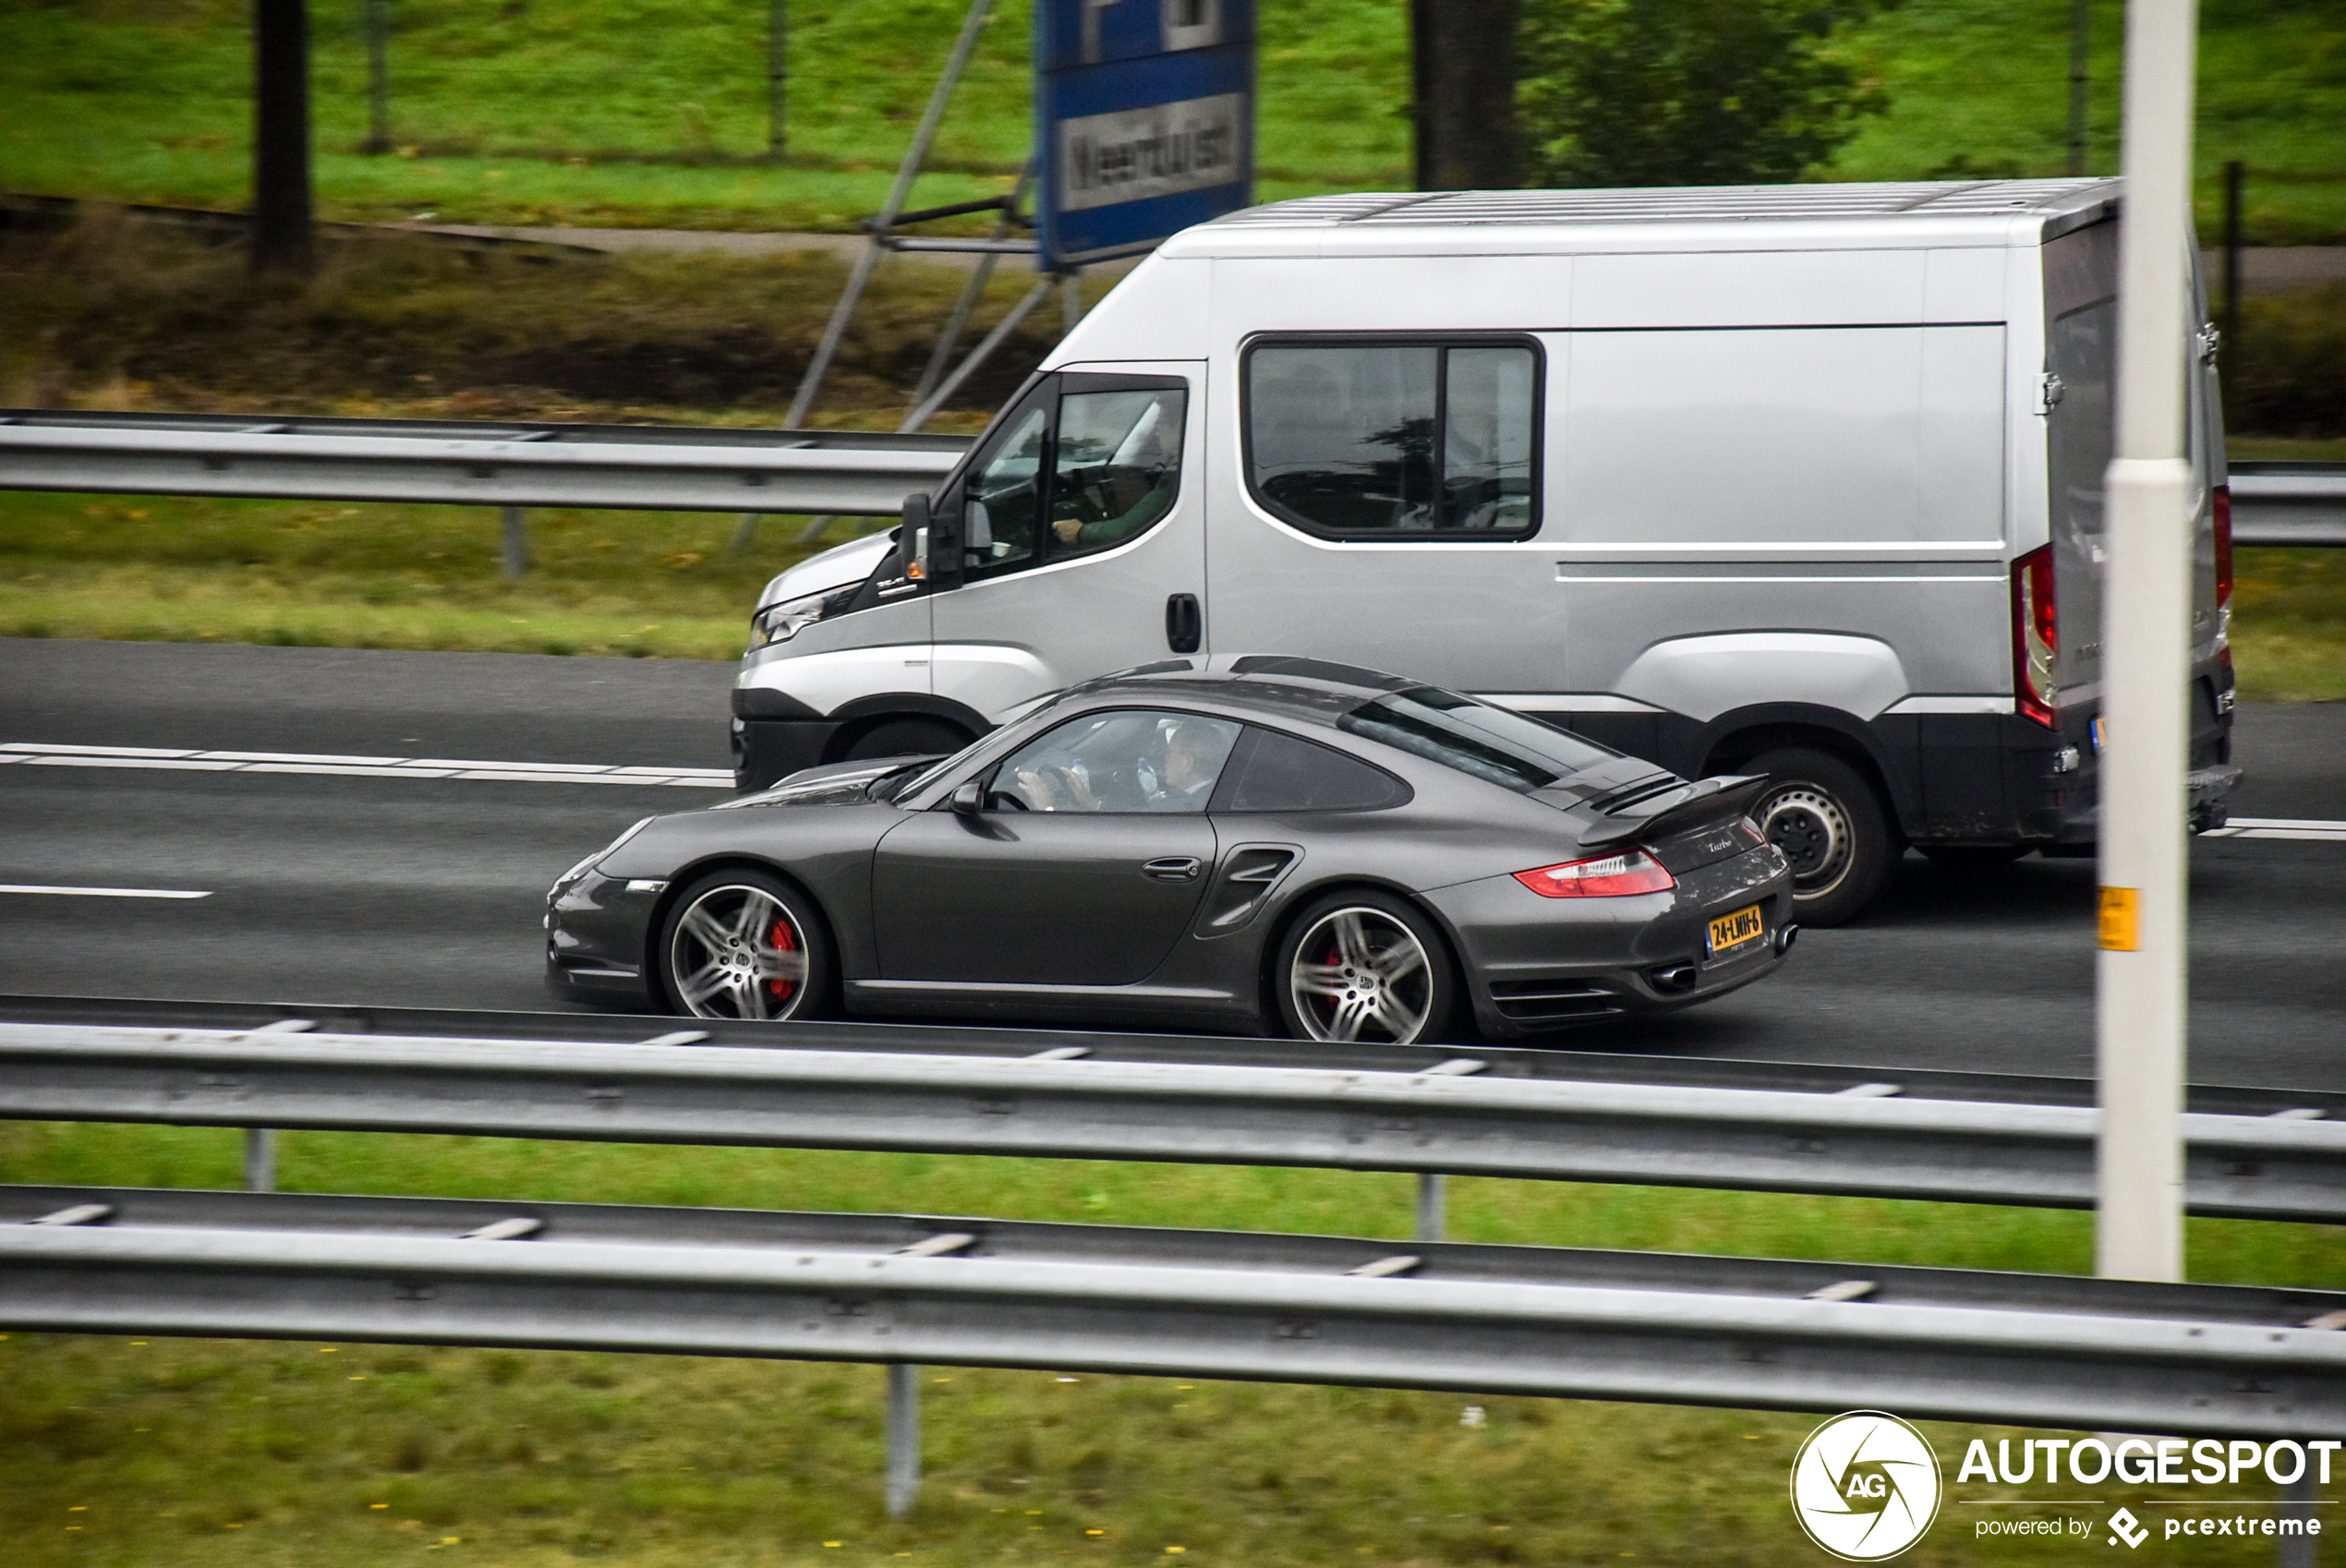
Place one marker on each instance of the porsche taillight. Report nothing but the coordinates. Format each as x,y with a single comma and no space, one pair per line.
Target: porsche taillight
1606,876
2036,637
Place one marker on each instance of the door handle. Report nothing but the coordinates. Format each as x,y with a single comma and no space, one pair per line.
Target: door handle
1184,624
1172,868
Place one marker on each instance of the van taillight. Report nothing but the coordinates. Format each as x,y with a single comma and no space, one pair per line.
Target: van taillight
2036,636
2223,546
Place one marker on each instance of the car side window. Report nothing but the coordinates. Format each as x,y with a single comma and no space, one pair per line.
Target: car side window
1124,760
1005,504
1355,440
1275,772
1117,466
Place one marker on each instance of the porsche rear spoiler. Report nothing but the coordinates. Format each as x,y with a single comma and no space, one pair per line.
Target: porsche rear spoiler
1703,803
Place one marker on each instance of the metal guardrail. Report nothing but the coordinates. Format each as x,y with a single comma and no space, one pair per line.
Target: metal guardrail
1553,1063
471,464
2034,1350
668,467
1055,1101
2289,503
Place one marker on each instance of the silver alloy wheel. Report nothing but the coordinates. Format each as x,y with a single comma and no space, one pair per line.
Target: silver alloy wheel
1359,974
738,953
1813,831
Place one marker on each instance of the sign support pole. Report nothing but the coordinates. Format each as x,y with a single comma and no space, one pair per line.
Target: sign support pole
865,263
2140,1011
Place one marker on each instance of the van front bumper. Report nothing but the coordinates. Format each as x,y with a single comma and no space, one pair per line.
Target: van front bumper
767,750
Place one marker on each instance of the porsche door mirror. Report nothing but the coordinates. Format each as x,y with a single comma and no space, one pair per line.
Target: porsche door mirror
969,800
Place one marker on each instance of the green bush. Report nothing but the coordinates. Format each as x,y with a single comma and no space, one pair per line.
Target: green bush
1647,92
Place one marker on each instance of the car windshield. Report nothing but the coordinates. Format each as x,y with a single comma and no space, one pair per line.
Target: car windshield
932,773
1509,750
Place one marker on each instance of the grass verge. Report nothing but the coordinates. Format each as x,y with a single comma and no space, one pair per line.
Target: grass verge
166,1452
189,569
660,584
656,114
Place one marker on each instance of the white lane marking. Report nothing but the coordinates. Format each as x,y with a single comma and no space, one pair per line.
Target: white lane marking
95,750
182,764
104,892
301,756
41,755
2305,829
514,766
351,769
2307,835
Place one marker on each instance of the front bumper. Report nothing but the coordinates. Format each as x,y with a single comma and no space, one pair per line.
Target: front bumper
598,941
767,750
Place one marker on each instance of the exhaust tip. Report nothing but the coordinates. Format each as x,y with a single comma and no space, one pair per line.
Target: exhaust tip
1785,936
1675,977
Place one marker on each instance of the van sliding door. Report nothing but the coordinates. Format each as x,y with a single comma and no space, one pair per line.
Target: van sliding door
1837,489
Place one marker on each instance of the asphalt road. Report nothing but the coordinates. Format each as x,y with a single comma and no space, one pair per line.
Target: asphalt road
384,887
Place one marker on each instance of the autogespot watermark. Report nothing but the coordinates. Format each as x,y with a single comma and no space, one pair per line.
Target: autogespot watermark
1866,1485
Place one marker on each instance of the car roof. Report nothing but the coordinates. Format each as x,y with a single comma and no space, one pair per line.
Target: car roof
1313,690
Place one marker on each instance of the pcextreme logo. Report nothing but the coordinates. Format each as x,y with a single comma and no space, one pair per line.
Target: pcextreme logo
1865,1486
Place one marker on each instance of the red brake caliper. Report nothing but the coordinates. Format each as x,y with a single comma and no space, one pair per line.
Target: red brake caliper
785,941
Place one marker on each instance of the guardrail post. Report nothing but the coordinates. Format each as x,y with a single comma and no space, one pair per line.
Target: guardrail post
2297,1502
903,1437
260,1159
516,542
1431,1214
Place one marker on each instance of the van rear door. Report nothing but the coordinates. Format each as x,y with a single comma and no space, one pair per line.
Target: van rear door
2081,353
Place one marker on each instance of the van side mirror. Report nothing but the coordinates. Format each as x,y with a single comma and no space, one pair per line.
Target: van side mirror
969,799
912,539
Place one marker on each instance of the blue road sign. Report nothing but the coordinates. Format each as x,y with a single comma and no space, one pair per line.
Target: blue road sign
1144,121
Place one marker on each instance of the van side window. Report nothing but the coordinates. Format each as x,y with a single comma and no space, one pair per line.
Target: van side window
1278,772
1117,466
1006,496
1379,440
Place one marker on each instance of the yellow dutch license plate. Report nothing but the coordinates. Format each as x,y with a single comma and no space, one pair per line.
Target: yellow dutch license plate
1734,930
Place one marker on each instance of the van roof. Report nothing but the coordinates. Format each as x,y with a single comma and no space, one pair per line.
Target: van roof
1739,216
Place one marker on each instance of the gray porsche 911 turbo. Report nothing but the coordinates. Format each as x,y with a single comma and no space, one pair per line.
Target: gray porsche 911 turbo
1289,847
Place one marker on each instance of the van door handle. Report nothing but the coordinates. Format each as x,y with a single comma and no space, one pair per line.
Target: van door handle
1184,624
1172,868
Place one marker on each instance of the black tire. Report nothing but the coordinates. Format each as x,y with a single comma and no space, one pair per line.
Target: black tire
1973,860
724,949
1395,986
906,737
1832,826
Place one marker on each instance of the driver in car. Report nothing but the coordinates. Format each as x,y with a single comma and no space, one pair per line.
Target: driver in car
1172,767
1190,754
1111,503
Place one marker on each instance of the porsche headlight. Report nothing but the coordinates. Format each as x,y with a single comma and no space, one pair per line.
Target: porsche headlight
583,867
781,622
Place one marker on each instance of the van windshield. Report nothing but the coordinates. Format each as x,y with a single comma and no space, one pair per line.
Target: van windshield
1509,750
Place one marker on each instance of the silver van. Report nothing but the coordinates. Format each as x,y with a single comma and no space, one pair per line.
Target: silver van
1800,480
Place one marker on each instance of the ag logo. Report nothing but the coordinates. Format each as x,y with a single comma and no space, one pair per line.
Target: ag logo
1865,1486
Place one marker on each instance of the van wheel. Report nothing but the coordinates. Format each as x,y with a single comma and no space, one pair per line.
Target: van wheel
1826,818
906,737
